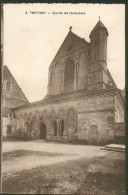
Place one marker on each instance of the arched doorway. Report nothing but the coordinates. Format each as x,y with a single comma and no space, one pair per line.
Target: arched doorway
55,128
42,131
61,127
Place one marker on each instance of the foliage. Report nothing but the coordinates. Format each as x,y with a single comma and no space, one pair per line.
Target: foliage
22,134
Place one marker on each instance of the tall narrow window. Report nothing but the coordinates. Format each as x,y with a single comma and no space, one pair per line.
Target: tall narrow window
8,86
69,76
57,79
82,71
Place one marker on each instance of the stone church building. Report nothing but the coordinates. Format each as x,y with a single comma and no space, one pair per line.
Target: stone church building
82,103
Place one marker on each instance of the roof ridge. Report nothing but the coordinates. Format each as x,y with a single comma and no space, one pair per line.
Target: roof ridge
82,39
69,33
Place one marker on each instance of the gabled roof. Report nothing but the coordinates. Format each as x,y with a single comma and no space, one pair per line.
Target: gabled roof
16,90
71,43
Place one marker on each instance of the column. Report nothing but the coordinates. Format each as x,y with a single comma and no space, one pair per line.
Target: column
65,124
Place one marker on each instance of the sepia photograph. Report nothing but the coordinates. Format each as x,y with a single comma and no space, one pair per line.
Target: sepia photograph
63,99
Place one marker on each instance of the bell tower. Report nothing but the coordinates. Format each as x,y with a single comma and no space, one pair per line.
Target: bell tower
98,56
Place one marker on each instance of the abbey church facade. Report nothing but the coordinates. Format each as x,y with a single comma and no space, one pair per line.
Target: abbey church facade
82,102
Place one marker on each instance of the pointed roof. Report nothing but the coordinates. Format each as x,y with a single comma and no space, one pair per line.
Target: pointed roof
98,26
16,90
71,43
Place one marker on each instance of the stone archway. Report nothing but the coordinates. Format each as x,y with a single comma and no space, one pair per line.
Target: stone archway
61,127
55,128
43,131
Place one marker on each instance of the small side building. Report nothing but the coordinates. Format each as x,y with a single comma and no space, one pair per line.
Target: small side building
12,96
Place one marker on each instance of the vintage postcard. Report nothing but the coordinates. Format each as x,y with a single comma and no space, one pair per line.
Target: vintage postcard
63,94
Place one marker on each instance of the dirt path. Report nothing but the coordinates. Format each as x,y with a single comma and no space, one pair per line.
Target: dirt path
50,147
68,151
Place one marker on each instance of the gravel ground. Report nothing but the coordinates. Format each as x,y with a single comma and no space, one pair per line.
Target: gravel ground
49,147
38,167
67,151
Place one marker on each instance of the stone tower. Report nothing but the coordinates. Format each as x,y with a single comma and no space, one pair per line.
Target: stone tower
97,77
98,44
79,65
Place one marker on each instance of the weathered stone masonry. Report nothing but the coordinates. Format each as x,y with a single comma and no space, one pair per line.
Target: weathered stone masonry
88,113
82,102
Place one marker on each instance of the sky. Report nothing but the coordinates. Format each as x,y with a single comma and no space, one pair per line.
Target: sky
32,39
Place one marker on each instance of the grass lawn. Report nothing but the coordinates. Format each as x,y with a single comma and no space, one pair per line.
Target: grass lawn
94,176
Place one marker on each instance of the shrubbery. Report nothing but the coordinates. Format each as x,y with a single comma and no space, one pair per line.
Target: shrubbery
21,134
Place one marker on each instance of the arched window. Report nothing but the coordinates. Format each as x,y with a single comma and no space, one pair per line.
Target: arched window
69,76
57,79
82,73
8,86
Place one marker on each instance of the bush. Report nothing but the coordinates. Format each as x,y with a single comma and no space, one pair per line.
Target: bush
21,134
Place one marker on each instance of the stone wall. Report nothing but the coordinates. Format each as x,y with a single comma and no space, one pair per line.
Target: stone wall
119,114
94,113
96,127
57,72
9,126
